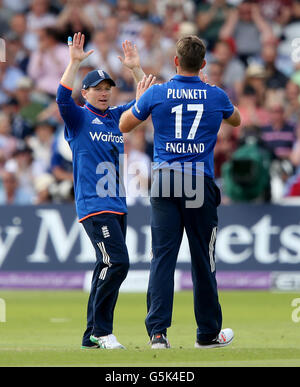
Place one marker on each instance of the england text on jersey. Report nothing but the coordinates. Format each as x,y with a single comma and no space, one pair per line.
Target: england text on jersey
181,147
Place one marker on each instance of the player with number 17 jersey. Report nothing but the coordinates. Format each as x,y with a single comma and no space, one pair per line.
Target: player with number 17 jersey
193,138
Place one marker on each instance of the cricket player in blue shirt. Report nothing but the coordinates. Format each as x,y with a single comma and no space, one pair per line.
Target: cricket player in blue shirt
93,134
186,113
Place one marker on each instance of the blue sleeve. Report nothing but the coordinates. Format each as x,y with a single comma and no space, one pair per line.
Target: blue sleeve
55,159
143,107
70,112
227,107
117,111
127,106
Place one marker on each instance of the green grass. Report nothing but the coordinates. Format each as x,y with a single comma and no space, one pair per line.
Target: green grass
45,329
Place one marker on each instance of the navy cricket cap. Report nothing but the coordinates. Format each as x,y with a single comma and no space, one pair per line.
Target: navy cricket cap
93,78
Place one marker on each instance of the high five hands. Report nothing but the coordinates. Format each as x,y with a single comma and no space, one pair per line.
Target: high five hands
131,56
144,84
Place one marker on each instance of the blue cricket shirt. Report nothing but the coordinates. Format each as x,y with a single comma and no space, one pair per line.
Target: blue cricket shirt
96,143
186,115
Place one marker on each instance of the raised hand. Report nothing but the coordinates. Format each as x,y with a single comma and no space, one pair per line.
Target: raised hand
77,53
144,84
131,56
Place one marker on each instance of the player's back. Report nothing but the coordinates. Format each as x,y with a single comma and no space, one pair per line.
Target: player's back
187,114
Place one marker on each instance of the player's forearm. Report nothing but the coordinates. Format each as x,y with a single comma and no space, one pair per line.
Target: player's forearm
128,122
124,124
235,118
70,73
138,74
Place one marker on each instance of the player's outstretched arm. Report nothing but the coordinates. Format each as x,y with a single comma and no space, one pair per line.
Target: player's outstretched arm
128,120
70,112
131,60
77,55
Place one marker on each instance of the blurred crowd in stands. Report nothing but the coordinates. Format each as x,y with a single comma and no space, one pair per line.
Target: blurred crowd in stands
253,53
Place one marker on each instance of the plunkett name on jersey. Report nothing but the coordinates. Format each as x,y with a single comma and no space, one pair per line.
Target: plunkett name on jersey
186,94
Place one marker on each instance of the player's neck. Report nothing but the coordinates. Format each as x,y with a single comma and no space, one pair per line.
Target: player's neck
186,73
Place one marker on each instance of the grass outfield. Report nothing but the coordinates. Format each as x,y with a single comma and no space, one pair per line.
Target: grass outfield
45,328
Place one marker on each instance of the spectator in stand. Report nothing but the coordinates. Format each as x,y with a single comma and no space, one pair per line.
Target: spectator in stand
97,12
126,87
275,79
41,143
11,192
174,12
234,69
248,28
38,17
129,25
5,16
42,186
292,103
73,18
210,19
279,136
295,154
10,74
27,109
62,169
276,12
47,64
19,56
290,30
142,8
104,56
225,146
18,26
292,187
112,30
252,113
150,49
216,73
25,168
8,142
255,76
15,5
216,77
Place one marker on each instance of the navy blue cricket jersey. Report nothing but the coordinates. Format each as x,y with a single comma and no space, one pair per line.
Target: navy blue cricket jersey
186,115
96,143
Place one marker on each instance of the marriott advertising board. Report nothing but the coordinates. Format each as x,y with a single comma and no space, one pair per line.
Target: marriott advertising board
258,246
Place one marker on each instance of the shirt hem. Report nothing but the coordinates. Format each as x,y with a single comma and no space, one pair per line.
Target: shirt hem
100,212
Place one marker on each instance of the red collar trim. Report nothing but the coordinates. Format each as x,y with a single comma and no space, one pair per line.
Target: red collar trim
94,112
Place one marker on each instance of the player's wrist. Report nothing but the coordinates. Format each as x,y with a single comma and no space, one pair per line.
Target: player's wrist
136,69
137,73
75,62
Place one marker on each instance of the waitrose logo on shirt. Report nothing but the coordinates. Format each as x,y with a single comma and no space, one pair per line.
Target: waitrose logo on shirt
106,137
